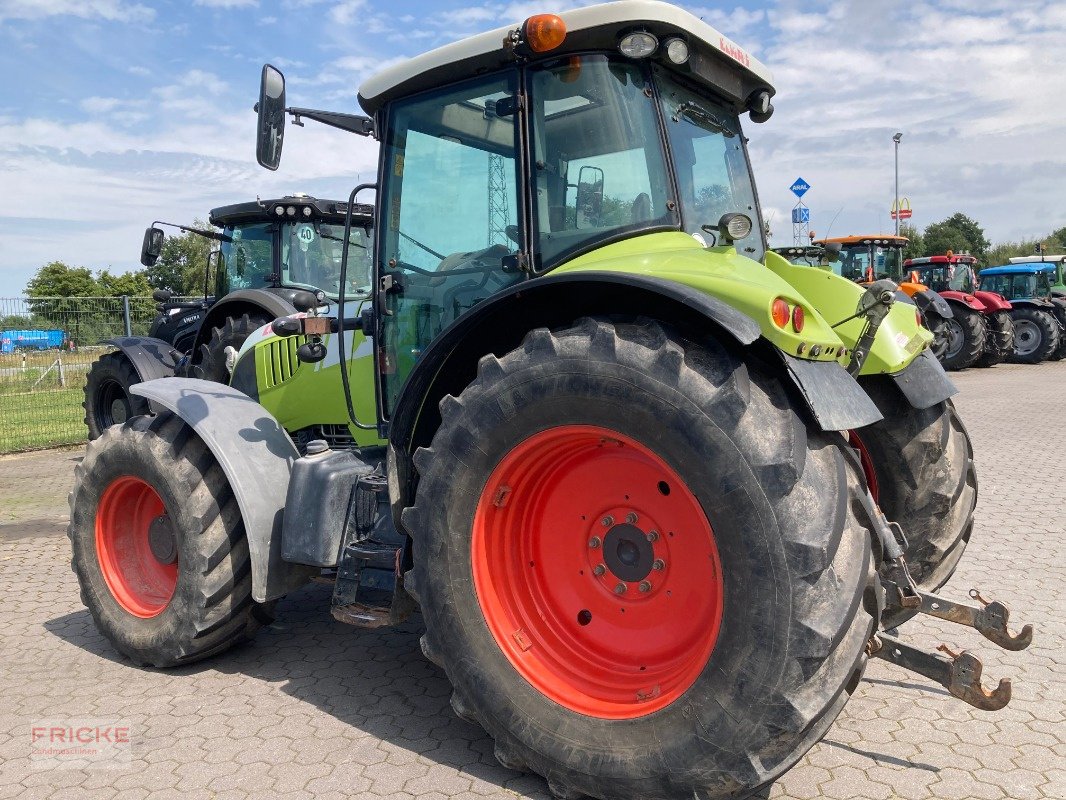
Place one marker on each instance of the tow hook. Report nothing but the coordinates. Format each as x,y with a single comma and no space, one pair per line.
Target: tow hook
989,618
959,673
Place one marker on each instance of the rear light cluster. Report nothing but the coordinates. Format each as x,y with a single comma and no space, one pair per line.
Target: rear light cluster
782,312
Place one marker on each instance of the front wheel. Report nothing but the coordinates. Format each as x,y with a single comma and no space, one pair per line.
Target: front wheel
210,361
966,338
633,586
159,546
1036,335
108,400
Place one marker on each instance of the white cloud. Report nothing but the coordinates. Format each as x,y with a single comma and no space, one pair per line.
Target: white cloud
226,3
112,10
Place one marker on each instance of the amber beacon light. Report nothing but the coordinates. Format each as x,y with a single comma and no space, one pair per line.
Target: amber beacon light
544,32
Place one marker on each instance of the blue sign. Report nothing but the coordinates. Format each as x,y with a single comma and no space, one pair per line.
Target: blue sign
801,214
799,187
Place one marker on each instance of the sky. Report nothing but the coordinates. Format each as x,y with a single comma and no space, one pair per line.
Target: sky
115,113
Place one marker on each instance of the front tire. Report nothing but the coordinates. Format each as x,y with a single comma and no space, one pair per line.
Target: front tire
920,469
966,338
107,393
702,656
1036,335
159,546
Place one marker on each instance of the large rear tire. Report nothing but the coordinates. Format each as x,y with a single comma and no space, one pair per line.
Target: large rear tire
966,338
919,465
159,546
644,574
107,393
999,343
210,363
1036,335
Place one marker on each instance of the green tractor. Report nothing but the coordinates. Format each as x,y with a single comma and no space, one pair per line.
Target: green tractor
1057,263
575,419
270,251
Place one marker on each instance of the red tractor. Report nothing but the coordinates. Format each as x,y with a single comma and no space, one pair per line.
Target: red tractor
981,332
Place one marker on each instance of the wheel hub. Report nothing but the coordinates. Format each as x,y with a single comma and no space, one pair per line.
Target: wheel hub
161,540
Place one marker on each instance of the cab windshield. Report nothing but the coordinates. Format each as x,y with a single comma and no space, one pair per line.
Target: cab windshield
710,160
311,258
949,277
247,258
863,262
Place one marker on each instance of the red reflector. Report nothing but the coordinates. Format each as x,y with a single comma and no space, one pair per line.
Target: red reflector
797,319
780,312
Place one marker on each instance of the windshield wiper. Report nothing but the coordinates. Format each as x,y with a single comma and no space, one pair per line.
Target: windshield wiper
415,241
702,117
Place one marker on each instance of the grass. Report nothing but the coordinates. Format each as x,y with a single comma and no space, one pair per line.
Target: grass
33,420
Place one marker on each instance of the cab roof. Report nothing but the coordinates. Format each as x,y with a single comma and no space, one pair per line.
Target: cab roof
883,239
267,211
1045,259
930,261
714,59
1018,269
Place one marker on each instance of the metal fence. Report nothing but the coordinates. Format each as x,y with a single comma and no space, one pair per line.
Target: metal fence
47,345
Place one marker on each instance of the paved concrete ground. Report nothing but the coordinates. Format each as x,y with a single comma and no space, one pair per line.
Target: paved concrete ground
317,709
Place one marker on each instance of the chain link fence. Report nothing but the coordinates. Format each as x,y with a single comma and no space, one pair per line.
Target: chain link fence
47,345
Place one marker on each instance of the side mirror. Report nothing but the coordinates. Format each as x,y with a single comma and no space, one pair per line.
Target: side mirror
152,246
589,197
270,127
832,252
214,258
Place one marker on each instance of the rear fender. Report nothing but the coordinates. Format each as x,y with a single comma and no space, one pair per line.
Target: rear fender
930,303
500,323
965,300
993,301
256,455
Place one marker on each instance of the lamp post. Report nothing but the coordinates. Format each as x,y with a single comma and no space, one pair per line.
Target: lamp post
895,208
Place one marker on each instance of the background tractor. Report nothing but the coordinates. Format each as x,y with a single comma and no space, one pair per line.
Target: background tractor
1039,317
865,259
269,252
1058,274
981,332
601,445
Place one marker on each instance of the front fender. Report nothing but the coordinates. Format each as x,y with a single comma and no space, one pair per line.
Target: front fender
993,301
151,358
966,300
930,303
256,454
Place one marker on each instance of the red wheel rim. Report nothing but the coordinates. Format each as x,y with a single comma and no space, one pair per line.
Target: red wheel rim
564,533
867,464
141,578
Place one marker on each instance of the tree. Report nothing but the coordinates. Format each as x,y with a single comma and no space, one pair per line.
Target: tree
916,247
56,279
958,233
182,263
133,284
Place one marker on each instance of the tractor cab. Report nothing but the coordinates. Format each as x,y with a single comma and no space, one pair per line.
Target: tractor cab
868,258
947,273
1018,282
282,246
1057,272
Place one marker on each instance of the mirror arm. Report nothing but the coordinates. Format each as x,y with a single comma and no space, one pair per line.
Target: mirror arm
218,237
353,123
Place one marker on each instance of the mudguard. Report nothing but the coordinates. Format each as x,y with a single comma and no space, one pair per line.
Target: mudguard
924,382
930,302
151,358
993,301
256,454
963,299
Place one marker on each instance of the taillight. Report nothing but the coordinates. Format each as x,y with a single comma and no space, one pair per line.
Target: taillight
780,312
797,319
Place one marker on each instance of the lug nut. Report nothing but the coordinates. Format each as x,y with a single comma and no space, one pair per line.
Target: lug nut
658,564
594,542
598,570
644,587
631,517
652,536
620,589
607,521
